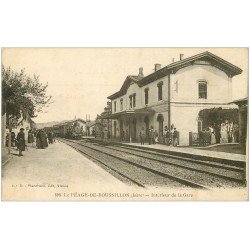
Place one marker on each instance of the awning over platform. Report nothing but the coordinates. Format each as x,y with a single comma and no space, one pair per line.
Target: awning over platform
142,111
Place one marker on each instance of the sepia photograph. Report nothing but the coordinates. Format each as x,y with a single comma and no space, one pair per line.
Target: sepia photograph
124,124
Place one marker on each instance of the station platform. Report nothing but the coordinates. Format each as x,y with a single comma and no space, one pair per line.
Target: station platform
189,152
196,153
42,174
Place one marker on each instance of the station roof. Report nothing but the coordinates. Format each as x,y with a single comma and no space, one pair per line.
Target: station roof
205,58
125,86
216,61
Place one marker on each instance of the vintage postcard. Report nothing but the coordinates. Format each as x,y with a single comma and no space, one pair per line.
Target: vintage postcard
124,124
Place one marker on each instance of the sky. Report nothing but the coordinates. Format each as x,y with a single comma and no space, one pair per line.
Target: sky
80,79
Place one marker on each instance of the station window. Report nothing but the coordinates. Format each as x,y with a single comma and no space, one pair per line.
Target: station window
114,106
159,85
146,96
132,101
121,103
202,89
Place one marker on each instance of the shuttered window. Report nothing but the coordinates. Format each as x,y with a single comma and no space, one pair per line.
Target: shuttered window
159,85
202,90
121,102
132,101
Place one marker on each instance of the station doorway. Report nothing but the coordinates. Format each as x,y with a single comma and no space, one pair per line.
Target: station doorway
134,129
146,121
160,120
121,130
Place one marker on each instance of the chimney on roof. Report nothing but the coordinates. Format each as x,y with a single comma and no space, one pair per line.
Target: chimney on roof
172,60
157,66
181,56
141,72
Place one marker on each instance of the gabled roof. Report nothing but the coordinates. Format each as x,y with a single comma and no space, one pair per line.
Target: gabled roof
205,58
125,86
230,69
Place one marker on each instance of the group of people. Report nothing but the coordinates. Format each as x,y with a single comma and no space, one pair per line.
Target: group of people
105,135
207,136
221,134
43,138
39,139
168,137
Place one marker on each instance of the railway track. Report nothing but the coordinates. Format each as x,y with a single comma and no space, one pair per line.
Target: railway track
232,173
158,169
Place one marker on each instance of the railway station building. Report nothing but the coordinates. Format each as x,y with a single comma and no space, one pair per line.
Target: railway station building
172,96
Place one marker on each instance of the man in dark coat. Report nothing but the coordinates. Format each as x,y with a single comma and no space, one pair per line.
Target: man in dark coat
44,139
38,139
21,141
50,137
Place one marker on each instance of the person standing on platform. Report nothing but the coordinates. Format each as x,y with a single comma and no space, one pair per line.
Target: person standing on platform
13,139
46,139
164,135
39,140
142,136
50,137
153,136
156,137
168,135
150,136
44,142
175,138
21,141
106,135
30,137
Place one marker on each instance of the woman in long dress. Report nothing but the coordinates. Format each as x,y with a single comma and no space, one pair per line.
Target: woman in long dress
224,137
213,140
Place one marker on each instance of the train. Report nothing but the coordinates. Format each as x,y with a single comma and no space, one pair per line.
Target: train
74,129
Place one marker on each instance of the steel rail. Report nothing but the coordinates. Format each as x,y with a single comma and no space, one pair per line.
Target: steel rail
240,181
168,176
117,172
211,164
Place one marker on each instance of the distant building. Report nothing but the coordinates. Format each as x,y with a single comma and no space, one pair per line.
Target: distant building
172,96
70,128
26,123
